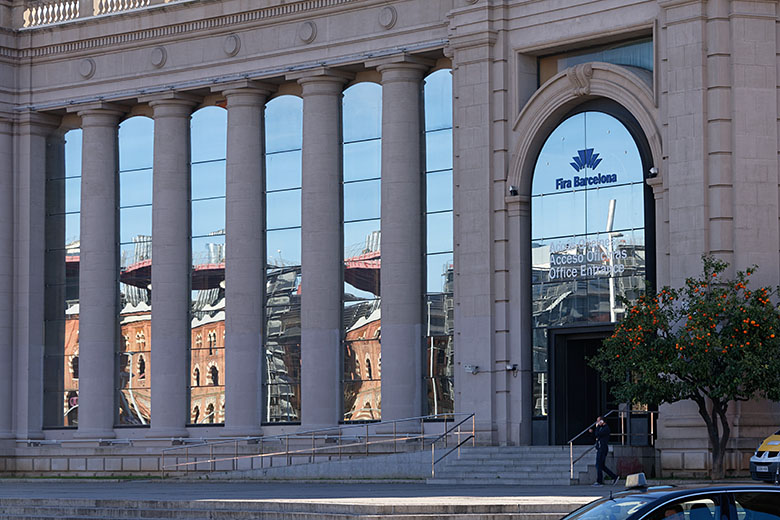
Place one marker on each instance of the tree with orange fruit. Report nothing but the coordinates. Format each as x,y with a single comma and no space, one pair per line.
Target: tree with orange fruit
713,341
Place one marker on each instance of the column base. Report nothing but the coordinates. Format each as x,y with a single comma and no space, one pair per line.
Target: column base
166,433
95,434
241,431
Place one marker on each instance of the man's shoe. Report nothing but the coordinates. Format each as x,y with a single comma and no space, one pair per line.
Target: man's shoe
617,477
597,484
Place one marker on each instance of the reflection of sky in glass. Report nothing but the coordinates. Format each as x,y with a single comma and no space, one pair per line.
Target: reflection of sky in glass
283,170
283,141
436,272
136,143
208,216
284,247
209,134
355,235
73,153
362,160
283,209
438,191
361,200
438,150
362,112
208,180
438,100
283,123
136,157
439,236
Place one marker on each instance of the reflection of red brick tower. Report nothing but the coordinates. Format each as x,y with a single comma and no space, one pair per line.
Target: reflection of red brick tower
363,365
135,366
207,376
71,383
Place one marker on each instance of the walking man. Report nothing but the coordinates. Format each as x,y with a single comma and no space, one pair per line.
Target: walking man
602,433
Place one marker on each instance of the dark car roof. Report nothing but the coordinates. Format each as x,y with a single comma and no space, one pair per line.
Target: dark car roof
660,495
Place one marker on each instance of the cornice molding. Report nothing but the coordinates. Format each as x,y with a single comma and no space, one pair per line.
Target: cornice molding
227,20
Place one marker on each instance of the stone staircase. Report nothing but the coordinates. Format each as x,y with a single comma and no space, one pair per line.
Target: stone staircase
515,465
98,509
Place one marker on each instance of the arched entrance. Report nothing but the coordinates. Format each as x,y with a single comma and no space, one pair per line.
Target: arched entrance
583,175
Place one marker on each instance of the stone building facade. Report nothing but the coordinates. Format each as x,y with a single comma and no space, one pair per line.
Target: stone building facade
685,90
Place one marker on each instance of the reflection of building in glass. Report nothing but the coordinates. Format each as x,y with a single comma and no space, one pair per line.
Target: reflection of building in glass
440,357
283,344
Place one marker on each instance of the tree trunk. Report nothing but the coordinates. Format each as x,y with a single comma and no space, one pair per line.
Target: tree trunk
719,437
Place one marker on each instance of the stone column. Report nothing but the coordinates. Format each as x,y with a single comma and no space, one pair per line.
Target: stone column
29,221
402,253
170,266
6,270
244,260
321,251
98,271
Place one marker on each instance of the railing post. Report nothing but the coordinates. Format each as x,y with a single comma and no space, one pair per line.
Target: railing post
433,460
422,434
162,466
623,428
211,457
459,441
445,431
339,442
311,459
187,460
395,446
287,449
652,429
571,460
262,454
366,438
473,430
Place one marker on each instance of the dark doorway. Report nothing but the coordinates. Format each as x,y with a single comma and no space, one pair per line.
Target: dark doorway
578,393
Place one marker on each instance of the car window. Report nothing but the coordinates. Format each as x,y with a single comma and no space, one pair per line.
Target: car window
609,509
757,506
705,507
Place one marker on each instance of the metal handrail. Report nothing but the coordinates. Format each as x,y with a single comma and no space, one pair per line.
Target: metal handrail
361,438
623,434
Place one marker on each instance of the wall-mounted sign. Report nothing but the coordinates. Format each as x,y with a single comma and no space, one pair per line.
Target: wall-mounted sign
585,159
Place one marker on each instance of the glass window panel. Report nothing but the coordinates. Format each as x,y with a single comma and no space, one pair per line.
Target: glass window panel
362,401
441,392
438,315
208,216
439,356
209,134
135,188
362,352
283,209
749,505
438,100
283,247
558,303
135,406
555,158
283,170
359,312
208,250
364,289
283,402
629,207
283,124
208,180
438,150
73,194
540,350
362,200
557,215
438,191
362,112
439,232
541,393
359,237
72,228
134,222
362,160
439,272
136,143
209,401
73,153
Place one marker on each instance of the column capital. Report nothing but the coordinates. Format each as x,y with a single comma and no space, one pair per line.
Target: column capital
170,99
400,62
321,76
39,123
244,87
98,107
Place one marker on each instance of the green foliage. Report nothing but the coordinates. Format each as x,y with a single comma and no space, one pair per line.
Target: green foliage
713,338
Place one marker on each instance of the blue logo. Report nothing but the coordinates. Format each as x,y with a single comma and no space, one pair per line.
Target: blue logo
585,159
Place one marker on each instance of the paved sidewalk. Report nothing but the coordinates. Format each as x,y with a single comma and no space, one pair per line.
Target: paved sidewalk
332,493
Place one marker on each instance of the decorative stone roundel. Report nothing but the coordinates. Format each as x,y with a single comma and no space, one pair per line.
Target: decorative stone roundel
158,57
87,68
307,32
232,45
387,17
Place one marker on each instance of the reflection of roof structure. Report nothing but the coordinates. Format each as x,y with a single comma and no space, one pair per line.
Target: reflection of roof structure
362,272
204,276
